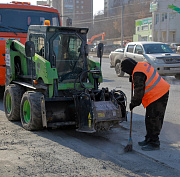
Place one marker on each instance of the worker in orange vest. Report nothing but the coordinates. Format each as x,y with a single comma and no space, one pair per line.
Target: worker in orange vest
152,91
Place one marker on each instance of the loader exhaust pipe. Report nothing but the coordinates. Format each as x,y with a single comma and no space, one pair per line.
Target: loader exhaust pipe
100,52
30,52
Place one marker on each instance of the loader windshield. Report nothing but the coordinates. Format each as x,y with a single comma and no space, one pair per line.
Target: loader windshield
69,59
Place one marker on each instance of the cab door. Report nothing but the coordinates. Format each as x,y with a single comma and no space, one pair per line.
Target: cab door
129,51
138,53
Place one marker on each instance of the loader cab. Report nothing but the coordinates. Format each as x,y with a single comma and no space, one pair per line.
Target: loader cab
63,47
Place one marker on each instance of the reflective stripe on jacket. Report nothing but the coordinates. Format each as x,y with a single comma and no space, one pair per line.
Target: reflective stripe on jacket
155,85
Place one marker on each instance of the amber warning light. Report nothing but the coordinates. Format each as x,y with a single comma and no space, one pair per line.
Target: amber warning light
46,23
23,3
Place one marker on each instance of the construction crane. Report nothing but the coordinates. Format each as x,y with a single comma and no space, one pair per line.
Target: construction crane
89,41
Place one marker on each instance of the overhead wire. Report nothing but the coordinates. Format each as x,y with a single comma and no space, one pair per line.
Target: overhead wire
91,20
105,18
112,8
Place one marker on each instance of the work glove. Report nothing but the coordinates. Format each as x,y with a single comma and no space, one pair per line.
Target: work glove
131,106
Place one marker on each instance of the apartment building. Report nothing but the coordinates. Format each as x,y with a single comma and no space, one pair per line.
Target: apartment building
143,30
112,6
165,20
80,11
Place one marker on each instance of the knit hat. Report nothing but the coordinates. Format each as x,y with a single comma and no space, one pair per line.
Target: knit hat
127,65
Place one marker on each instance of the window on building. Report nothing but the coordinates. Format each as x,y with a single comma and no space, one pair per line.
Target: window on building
82,2
138,28
163,16
144,38
77,7
130,48
157,18
144,27
174,36
81,7
77,2
172,16
150,26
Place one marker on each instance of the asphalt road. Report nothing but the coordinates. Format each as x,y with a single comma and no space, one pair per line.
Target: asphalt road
170,134
65,152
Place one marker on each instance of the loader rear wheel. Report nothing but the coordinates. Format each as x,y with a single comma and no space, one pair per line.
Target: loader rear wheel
12,99
118,70
30,111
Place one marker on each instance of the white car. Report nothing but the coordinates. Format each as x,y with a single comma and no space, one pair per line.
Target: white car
115,60
158,54
94,49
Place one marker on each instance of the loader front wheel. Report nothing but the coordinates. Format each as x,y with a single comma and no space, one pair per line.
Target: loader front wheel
30,111
11,101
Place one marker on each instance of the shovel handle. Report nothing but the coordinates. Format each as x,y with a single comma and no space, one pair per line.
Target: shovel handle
131,110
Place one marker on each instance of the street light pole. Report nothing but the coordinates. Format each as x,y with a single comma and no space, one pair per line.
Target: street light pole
122,25
68,20
48,2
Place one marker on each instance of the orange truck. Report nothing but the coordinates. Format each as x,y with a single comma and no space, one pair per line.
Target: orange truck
15,18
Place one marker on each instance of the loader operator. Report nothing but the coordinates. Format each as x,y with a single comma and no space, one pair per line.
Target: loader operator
152,91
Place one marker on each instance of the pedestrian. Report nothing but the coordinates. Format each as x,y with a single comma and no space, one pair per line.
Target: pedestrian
152,91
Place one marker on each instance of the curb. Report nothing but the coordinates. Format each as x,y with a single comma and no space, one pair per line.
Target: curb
95,55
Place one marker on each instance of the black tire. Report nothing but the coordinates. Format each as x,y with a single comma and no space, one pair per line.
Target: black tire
118,70
12,99
2,89
177,76
30,111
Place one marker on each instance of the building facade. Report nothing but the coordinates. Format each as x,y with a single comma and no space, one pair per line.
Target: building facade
80,11
143,30
112,6
165,20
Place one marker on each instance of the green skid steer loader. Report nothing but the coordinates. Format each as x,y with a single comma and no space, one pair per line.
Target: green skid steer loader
51,82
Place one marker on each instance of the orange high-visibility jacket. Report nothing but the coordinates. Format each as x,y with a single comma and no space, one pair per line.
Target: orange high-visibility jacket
155,85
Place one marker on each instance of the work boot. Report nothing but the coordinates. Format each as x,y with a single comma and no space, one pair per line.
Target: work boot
151,145
143,143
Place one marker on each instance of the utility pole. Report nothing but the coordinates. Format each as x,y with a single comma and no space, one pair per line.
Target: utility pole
48,2
122,25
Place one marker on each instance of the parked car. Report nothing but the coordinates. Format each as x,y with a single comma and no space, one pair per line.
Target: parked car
94,49
90,46
109,48
159,55
115,60
173,46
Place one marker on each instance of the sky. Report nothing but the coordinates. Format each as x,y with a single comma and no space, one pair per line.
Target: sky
98,5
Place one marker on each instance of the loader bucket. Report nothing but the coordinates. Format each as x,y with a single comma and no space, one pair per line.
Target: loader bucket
84,108
106,115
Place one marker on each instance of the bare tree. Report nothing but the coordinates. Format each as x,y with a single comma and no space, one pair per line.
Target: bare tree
111,25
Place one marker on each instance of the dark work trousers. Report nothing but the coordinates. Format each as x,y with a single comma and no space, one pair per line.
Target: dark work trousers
154,118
